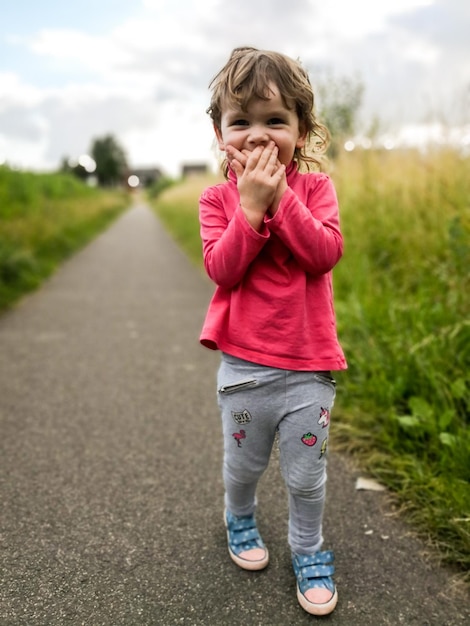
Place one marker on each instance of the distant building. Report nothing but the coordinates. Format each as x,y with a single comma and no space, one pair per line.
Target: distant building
147,175
194,169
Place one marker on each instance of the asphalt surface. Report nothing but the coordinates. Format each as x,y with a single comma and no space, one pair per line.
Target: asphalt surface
110,467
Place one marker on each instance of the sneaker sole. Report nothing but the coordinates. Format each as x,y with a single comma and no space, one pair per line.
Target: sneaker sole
317,609
252,566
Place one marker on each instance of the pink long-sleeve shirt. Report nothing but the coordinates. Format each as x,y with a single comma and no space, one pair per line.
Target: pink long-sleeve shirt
273,304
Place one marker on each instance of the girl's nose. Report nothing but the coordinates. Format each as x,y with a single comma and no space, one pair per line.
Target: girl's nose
258,135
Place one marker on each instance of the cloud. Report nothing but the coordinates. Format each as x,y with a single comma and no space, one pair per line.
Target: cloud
410,70
266,23
25,125
64,121
442,23
77,124
441,30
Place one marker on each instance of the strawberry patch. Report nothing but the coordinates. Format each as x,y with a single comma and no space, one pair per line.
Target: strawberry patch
309,440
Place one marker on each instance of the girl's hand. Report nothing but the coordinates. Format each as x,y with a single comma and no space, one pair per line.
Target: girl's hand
259,173
235,155
281,188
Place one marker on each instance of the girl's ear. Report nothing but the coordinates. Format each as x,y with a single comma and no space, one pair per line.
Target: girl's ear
218,135
302,139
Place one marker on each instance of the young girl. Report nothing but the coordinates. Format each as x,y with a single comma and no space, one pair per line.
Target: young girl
270,240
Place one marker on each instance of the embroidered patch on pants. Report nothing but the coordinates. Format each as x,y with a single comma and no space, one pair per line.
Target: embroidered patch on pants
239,436
324,417
242,417
309,439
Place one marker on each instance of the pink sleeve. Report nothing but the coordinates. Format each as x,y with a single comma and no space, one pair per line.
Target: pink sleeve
311,231
229,245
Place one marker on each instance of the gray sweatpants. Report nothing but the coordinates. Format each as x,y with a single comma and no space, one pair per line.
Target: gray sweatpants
255,403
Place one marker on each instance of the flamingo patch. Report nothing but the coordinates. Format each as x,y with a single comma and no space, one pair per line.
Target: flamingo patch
239,436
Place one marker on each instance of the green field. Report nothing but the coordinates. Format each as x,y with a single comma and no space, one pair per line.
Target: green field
403,306
43,219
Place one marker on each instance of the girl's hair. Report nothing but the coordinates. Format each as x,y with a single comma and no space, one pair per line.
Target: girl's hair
247,75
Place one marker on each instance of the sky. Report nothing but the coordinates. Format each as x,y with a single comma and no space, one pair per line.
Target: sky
73,72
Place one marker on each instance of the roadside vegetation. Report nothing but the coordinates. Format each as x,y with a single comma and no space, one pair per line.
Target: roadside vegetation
43,219
177,206
402,293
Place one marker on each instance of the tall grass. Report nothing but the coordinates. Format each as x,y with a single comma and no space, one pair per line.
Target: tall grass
177,207
404,318
402,300
43,219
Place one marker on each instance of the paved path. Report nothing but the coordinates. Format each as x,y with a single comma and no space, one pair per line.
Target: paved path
110,456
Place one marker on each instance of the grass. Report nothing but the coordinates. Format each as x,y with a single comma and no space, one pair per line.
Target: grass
44,218
402,300
177,207
403,308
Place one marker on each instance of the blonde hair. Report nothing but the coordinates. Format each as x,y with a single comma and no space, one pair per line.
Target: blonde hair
247,75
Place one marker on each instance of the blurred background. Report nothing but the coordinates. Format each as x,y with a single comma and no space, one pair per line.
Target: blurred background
138,72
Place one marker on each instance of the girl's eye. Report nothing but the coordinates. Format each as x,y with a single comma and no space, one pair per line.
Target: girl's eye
276,121
239,122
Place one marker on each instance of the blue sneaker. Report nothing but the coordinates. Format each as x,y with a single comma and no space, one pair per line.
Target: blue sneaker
316,591
245,546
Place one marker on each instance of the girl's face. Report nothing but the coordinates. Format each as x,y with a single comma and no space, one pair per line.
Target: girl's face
264,121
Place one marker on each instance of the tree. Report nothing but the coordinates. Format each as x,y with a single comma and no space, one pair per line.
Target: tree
67,167
340,101
111,161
